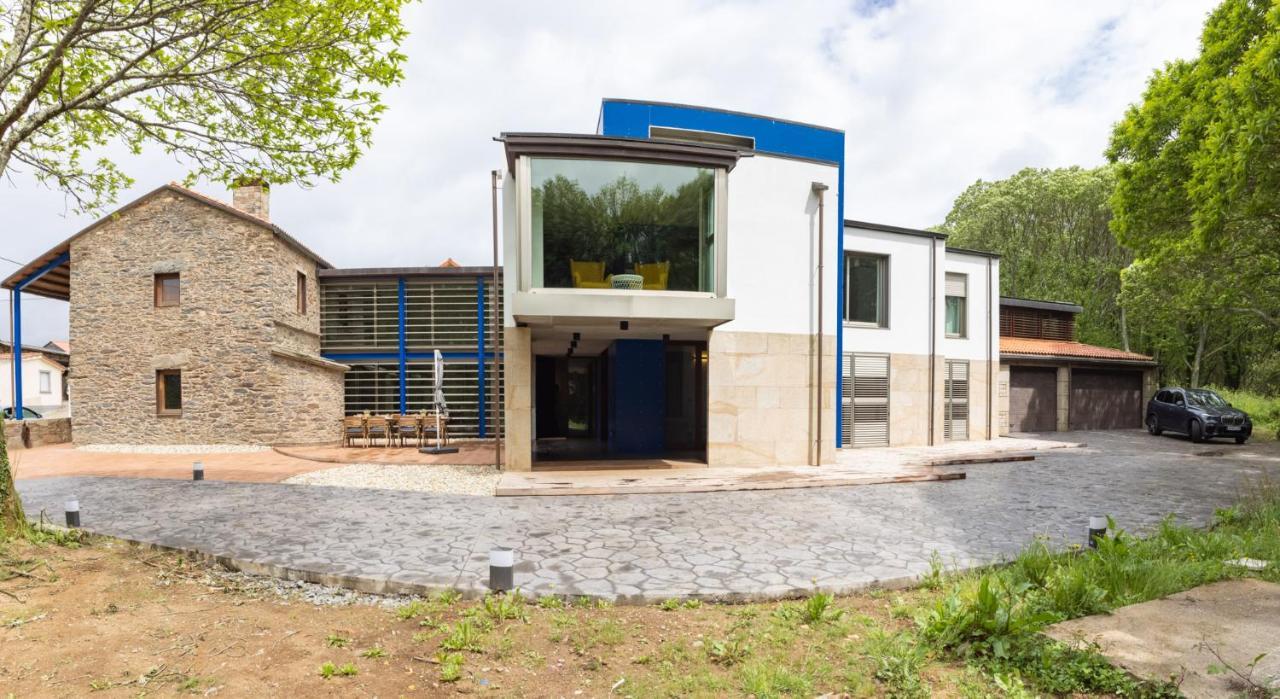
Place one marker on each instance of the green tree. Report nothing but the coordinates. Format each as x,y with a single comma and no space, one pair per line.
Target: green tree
286,90
1051,228
1198,197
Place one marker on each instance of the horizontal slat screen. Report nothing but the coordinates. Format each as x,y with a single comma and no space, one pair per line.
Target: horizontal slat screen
957,284
375,387
1036,323
864,409
956,424
365,316
359,317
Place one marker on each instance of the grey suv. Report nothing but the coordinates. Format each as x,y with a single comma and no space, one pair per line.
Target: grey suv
1198,413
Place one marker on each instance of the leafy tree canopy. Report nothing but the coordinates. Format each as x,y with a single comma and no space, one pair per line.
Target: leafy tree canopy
1051,229
286,90
1198,192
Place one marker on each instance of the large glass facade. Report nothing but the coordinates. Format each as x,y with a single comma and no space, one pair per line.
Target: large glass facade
599,224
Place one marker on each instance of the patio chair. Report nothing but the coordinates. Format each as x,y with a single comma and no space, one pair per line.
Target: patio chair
429,428
655,274
377,427
353,428
588,275
408,427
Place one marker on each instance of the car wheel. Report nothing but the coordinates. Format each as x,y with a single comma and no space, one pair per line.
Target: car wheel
1241,440
1196,430
1153,426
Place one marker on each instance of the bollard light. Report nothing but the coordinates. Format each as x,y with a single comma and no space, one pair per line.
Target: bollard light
501,569
1097,530
197,471
73,513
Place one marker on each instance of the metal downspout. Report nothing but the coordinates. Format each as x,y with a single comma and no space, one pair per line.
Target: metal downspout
819,189
991,387
933,321
495,309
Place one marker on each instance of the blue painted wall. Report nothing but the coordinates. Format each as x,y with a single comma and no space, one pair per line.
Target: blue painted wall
632,119
637,398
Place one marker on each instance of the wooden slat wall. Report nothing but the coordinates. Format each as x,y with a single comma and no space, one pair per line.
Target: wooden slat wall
1036,323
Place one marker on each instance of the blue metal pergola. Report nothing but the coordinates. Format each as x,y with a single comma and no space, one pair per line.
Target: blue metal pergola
403,356
32,279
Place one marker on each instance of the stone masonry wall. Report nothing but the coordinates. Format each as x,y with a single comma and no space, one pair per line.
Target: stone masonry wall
238,281
760,399
25,434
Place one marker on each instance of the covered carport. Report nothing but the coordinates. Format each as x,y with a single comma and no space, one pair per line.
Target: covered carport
49,276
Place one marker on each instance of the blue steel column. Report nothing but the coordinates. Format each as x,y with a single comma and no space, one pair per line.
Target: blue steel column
404,349
480,360
17,353
840,282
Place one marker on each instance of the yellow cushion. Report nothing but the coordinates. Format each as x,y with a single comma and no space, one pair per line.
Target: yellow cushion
655,274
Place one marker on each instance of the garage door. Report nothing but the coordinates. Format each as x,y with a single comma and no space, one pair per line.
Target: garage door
1033,399
1105,400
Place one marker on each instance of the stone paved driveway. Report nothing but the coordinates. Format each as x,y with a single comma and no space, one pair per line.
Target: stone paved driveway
648,547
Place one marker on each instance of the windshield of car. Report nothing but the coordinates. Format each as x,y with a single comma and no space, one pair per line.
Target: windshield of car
1205,399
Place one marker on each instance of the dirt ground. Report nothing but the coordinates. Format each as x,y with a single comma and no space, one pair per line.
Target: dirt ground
66,460
117,620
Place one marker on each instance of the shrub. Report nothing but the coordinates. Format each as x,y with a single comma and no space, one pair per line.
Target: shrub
986,621
819,608
898,659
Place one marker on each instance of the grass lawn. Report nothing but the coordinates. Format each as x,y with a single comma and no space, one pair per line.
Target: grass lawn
108,618
1263,410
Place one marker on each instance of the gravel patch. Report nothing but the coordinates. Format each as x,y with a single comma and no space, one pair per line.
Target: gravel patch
173,448
259,586
455,480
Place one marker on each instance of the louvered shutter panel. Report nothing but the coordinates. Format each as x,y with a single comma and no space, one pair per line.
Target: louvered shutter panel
957,285
956,423
865,400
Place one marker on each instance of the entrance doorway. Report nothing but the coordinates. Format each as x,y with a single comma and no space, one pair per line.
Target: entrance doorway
637,399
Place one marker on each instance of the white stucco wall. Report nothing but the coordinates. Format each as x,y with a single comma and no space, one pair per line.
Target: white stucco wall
981,341
32,365
772,245
907,331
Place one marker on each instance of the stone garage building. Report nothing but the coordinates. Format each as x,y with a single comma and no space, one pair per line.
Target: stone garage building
194,322
1050,382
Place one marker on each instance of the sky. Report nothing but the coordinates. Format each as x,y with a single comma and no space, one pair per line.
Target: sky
932,96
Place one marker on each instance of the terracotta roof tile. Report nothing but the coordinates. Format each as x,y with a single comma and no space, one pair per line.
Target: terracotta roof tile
1058,348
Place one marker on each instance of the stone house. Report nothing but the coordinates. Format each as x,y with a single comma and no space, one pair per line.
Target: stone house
194,322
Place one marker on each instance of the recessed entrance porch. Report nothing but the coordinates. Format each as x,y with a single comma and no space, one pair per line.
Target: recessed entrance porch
634,398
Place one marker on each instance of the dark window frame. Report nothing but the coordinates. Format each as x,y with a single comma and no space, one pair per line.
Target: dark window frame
301,292
162,296
162,394
882,290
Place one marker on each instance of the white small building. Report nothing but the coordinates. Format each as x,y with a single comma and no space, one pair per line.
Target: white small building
43,373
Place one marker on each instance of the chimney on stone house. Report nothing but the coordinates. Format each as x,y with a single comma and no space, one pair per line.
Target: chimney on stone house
252,195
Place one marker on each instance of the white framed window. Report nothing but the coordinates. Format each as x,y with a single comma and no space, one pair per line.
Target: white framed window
956,422
46,382
866,289
864,400
957,291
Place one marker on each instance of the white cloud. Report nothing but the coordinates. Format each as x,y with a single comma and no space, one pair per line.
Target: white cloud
932,96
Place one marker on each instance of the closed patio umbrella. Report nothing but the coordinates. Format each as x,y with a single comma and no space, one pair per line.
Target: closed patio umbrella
441,409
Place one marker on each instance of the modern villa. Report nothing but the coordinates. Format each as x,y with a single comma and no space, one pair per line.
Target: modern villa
679,285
